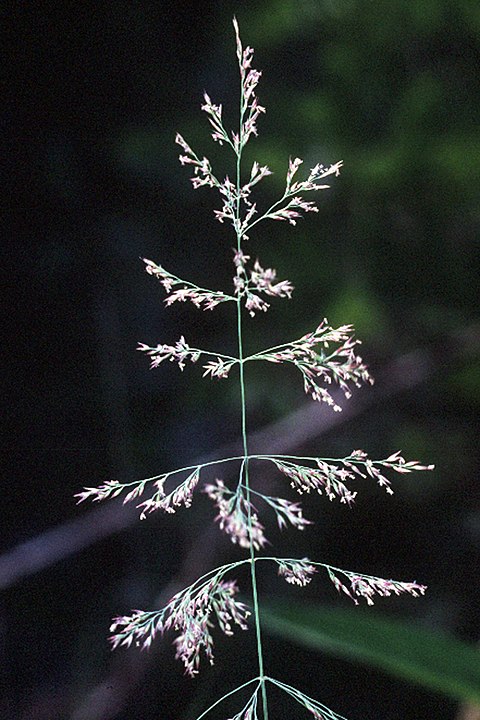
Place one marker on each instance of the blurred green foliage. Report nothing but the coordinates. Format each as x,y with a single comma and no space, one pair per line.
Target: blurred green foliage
431,659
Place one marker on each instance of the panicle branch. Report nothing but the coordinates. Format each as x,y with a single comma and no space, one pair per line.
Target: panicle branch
181,495
181,352
291,205
249,712
190,613
202,170
250,108
234,517
300,572
330,476
315,708
367,586
181,290
341,366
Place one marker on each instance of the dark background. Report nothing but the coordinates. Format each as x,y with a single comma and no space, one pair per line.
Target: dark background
95,94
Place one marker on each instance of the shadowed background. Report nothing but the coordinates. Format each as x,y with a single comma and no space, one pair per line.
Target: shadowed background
96,93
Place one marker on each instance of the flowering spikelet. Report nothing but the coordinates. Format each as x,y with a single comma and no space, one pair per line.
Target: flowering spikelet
296,572
400,465
179,353
265,281
326,479
259,280
287,512
182,495
235,514
218,368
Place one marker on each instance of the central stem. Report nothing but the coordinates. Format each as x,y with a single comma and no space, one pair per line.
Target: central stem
256,610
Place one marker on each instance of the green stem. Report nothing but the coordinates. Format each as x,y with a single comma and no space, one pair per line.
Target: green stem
256,610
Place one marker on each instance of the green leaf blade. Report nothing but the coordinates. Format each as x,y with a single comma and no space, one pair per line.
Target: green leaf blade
433,660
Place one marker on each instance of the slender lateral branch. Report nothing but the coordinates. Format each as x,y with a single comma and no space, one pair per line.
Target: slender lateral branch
113,488
262,354
330,475
319,366
394,461
194,351
300,572
179,290
222,570
267,214
224,697
180,353
290,211
317,709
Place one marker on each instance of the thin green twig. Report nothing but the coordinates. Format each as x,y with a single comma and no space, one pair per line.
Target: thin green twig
224,697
